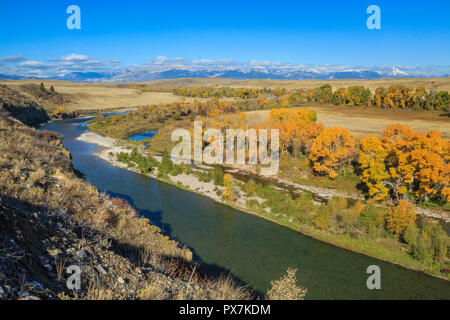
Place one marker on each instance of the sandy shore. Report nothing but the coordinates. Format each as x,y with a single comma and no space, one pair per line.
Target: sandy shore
97,139
187,181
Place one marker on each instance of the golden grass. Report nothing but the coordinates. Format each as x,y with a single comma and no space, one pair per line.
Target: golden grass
88,96
91,96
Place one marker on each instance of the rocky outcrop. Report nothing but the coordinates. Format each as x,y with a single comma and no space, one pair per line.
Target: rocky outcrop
21,107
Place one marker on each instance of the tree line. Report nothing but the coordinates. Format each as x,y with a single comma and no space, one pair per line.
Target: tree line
401,163
395,96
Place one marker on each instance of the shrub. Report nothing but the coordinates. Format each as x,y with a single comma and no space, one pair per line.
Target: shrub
166,162
322,220
410,235
286,288
432,244
176,170
372,218
229,186
424,248
217,175
400,217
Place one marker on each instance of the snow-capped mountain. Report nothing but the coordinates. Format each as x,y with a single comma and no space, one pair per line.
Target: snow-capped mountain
82,68
397,72
164,68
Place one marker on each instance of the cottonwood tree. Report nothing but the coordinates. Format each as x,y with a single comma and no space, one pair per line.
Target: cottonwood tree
331,150
405,161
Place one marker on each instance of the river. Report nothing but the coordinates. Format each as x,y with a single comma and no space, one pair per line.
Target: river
255,250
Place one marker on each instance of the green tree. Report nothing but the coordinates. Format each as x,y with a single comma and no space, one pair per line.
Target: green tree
166,162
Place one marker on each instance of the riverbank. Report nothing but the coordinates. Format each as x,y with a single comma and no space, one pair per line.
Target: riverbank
51,218
191,183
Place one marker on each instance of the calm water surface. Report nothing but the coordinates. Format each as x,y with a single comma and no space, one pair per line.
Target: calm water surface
255,250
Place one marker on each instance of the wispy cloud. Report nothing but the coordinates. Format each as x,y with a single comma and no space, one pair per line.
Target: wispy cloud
35,65
12,59
57,67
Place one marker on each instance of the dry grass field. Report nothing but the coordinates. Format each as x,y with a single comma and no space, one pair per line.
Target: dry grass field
361,121
107,95
87,96
366,121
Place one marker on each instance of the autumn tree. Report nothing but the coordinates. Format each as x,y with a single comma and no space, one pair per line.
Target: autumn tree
441,101
400,217
432,166
406,161
379,97
371,159
290,122
341,96
323,94
420,99
306,136
331,150
358,95
403,97
399,141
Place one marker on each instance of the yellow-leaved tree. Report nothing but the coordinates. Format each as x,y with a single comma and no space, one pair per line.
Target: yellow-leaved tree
371,159
400,217
406,161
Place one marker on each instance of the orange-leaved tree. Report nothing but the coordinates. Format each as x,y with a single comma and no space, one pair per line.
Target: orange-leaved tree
289,122
306,136
432,174
331,150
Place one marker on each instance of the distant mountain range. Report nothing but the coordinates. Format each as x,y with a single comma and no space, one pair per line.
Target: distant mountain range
142,74
165,68
11,77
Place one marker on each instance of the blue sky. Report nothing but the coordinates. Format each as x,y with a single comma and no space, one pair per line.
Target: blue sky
414,33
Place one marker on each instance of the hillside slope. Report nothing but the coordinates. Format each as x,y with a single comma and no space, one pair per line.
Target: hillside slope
21,107
50,218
